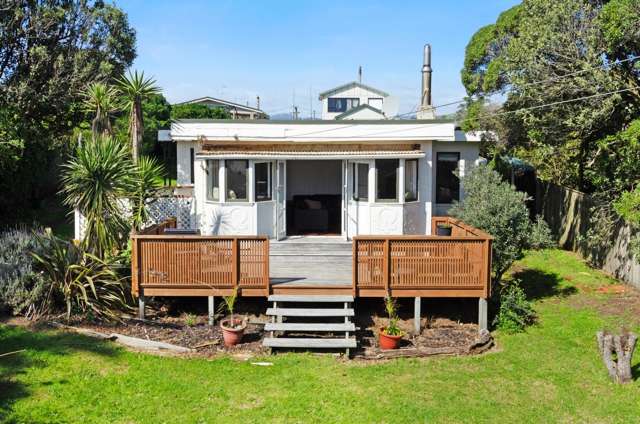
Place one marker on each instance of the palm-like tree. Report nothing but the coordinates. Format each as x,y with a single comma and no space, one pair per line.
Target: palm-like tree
146,183
135,88
100,99
94,181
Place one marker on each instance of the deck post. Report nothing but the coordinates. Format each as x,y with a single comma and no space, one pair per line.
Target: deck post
141,301
416,314
211,302
482,314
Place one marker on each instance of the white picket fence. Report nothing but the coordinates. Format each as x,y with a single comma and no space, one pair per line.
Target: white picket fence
160,209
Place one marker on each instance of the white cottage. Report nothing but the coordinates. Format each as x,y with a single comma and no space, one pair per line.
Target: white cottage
337,176
282,178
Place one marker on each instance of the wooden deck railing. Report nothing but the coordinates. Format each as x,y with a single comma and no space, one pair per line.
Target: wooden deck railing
193,265
159,228
430,266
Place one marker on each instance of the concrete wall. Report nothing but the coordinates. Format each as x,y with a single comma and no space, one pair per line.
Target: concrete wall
568,214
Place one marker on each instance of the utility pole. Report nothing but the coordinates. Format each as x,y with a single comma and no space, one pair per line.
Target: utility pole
295,113
360,74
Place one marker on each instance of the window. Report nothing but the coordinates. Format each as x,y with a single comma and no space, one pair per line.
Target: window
361,181
375,102
447,183
213,183
237,180
410,180
387,180
263,181
191,164
342,104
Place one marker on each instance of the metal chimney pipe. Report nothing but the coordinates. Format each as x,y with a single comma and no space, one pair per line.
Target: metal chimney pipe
426,77
257,102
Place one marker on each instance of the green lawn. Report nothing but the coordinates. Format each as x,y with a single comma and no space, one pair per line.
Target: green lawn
551,373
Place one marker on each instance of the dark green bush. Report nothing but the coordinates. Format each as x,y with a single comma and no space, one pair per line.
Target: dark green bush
515,312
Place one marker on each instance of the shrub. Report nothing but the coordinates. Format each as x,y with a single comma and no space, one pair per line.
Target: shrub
84,282
494,206
23,290
391,308
516,312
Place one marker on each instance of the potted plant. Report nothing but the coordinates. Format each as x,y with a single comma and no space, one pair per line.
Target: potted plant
391,334
443,229
232,327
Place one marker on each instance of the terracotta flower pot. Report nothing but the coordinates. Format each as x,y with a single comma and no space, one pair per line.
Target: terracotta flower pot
232,335
387,341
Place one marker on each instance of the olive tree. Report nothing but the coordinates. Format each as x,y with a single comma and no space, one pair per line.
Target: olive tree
494,206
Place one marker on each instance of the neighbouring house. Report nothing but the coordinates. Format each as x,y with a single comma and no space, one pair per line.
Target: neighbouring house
319,211
236,110
355,100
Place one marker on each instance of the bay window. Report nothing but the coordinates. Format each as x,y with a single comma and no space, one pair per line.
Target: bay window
387,180
213,182
236,179
410,180
262,185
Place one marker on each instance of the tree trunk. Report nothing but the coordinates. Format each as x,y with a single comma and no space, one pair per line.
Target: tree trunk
622,346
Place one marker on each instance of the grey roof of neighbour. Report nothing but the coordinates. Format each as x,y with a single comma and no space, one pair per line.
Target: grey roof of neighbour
358,109
349,86
221,101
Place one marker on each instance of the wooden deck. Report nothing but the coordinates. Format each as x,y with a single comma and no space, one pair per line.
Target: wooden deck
371,266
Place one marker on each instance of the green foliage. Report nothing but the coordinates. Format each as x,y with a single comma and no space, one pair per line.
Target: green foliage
391,308
494,206
95,181
190,320
22,288
198,111
50,51
147,182
516,312
628,207
85,282
134,88
540,236
571,47
100,99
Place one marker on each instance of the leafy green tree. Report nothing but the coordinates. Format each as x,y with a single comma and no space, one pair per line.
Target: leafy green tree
134,89
494,206
544,51
50,51
198,111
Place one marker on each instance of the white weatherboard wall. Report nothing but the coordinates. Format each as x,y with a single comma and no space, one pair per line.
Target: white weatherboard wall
469,153
183,161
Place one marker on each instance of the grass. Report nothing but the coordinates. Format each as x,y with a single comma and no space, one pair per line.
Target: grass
550,373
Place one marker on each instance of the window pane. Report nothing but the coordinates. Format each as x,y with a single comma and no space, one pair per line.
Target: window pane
447,183
363,181
387,179
236,180
213,185
411,180
360,181
263,181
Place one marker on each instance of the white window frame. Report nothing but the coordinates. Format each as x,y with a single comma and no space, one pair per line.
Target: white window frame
270,179
355,165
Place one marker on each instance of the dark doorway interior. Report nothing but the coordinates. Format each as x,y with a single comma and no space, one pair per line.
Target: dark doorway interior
314,199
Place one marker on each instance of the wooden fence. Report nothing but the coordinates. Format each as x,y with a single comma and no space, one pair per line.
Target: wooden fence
429,266
193,265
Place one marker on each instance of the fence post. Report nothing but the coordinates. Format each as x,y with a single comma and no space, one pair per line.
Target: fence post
386,266
235,252
267,281
354,265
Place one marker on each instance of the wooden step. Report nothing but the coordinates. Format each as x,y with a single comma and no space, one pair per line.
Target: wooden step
309,298
311,343
300,326
310,312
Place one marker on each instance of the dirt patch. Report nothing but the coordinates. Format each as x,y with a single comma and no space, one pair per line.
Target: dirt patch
614,300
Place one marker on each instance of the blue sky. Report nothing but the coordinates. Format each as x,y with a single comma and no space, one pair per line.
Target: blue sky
285,50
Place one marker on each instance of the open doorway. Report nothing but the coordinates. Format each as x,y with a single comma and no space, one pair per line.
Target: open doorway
314,197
